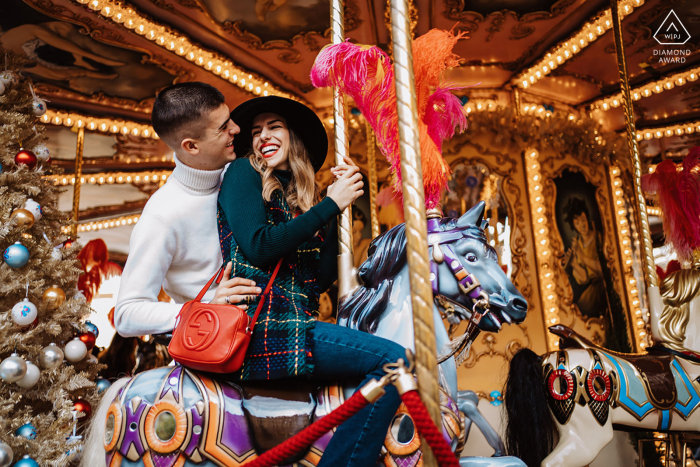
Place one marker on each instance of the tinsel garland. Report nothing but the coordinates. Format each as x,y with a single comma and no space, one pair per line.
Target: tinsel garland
49,404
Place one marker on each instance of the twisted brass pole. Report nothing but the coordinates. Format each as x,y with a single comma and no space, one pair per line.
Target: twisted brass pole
78,175
346,278
640,211
414,212
372,162
647,257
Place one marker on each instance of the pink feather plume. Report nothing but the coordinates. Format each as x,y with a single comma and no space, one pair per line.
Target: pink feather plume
678,191
366,75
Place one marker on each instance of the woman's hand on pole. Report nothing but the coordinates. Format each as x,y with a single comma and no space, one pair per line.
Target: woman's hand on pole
339,170
347,188
232,291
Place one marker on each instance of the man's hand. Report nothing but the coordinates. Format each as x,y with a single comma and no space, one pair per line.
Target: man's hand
232,291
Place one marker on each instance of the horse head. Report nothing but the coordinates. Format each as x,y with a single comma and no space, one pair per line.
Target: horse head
464,269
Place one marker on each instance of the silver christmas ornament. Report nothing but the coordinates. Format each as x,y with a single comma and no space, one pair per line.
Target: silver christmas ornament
12,369
8,77
41,151
24,313
75,350
51,356
34,207
31,377
5,455
38,106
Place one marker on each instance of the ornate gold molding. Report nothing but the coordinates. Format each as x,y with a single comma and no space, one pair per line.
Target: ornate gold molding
489,340
455,10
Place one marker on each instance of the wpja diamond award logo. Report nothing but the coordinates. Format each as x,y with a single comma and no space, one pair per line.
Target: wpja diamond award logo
672,32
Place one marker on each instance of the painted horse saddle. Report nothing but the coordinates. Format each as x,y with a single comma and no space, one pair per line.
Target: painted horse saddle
654,367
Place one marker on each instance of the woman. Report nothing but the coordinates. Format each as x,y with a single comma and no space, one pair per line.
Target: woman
269,210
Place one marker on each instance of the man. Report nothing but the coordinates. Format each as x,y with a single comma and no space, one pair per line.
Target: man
175,244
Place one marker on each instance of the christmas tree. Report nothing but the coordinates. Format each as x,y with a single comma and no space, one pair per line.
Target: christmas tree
43,398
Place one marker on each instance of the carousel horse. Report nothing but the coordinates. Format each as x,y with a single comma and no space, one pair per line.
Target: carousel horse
175,417
655,391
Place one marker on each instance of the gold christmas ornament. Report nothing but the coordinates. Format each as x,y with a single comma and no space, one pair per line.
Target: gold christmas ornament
24,218
54,297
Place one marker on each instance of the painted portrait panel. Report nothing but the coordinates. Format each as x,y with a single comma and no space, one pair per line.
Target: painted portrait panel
588,272
61,55
272,20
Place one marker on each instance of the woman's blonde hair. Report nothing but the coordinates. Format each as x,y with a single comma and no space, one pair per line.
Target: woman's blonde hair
301,193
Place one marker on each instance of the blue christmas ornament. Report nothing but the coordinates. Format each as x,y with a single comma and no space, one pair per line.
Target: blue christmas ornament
464,100
26,431
16,255
102,385
355,111
0,168
26,461
91,327
495,398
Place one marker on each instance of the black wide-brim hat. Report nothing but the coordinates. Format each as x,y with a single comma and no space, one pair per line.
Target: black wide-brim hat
300,119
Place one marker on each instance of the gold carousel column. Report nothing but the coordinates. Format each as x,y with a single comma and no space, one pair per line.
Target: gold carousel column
346,278
371,161
640,210
414,212
77,184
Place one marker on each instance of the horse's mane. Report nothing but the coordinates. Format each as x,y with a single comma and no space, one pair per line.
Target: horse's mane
385,257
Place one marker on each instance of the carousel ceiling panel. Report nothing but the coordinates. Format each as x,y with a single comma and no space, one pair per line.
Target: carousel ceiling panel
567,89
678,105
79,59
511,34
597,63
61,142
278,40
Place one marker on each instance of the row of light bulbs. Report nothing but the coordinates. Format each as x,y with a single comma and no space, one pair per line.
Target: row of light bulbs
647,90
623,229
182,46
104,125
579,41
110,178
548,287
479,105
667,132
104,224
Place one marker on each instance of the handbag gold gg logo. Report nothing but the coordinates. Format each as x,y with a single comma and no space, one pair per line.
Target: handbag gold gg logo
200,330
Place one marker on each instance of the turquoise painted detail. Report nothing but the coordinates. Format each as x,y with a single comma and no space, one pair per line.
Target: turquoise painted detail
686,389
495,398
665,419
631,395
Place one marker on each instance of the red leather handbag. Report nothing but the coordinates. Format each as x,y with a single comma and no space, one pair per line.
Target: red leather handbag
214,338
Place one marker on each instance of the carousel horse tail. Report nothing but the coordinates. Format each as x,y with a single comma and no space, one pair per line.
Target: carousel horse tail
529,427
93,448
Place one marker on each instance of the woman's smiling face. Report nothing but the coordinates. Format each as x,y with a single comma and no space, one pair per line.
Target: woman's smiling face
271,139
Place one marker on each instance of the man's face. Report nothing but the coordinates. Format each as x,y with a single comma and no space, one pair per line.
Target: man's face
581,224
214,148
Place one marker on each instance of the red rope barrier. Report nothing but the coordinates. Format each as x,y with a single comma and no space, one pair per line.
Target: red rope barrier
426,427
308,435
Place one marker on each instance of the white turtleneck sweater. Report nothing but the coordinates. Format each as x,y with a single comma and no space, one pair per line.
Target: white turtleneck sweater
175,245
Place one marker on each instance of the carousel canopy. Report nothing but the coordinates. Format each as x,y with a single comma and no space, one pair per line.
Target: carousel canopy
102,62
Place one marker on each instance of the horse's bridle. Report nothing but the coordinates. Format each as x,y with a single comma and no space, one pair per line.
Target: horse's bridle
442,251
469,285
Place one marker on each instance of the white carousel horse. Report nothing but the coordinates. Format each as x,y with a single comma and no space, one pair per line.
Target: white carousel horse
589,390
175,417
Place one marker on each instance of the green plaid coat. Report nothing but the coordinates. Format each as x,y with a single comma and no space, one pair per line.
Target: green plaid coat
281,343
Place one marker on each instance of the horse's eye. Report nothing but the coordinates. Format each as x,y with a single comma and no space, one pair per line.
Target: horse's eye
471,257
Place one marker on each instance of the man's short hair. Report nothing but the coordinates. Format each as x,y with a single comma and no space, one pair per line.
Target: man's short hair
182,106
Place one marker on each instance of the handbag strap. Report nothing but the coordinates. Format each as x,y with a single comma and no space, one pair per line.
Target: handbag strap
218,276
262,298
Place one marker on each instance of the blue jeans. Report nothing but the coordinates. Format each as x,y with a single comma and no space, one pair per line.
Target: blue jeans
343,354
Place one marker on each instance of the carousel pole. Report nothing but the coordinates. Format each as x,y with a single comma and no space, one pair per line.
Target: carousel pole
78,176
371,161
640,210
414,212
346,279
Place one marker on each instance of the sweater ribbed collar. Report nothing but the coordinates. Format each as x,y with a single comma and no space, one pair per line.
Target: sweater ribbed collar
201,181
